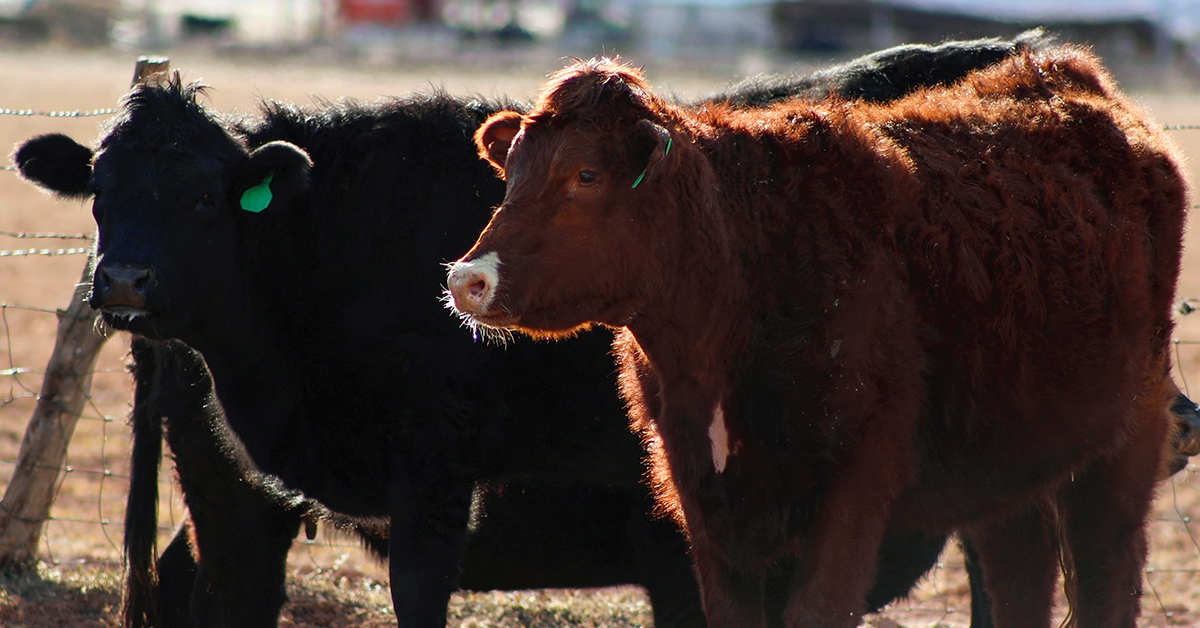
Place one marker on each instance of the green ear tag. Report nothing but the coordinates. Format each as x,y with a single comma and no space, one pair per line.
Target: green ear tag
643,175
258,197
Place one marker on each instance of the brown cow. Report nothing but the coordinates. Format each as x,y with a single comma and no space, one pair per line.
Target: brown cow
947,313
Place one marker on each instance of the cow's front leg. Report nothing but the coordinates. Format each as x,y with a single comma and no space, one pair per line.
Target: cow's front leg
176,580
241,531
428,530
839,553
837,566
242,542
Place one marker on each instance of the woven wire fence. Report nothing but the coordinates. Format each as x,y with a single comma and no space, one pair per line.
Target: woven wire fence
85,524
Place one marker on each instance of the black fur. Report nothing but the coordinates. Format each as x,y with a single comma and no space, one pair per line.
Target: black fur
883,75
56,162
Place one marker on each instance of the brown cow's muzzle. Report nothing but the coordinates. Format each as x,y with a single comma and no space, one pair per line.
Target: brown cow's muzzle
473,284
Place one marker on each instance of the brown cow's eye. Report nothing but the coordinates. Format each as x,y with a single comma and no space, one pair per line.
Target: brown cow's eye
587,177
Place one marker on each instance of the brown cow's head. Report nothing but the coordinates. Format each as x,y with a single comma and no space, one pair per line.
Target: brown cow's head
585,211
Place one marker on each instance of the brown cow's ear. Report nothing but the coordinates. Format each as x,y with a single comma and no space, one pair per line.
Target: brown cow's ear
658,156
495,136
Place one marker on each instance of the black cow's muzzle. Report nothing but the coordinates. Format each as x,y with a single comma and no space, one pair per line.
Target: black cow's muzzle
1187,434
1187,414
121,288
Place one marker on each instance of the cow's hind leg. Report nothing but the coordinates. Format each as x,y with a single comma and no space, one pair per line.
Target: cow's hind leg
1018,558
1105,509
981,600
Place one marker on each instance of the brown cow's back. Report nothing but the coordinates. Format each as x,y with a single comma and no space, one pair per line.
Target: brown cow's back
943,181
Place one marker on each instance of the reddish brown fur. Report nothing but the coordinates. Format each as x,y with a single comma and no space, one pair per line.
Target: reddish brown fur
948,313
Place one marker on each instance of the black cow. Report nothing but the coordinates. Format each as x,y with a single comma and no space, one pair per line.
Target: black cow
317,312
300,252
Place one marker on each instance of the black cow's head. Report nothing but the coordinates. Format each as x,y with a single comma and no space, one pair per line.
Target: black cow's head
172,190
1186,441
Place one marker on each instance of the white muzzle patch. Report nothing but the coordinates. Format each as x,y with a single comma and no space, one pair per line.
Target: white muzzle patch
473,284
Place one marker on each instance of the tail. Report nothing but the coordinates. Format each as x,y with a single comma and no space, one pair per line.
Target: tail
1066,562
139,609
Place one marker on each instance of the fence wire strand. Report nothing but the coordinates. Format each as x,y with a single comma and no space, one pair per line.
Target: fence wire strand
58,114
43,236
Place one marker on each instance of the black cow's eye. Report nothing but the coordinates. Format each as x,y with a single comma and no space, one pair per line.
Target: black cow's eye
587,177
205,202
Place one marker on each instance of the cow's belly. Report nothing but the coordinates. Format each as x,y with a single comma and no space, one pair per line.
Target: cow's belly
993,448
346,470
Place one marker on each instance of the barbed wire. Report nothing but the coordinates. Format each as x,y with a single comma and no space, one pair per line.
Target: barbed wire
42,236
45,252
58,114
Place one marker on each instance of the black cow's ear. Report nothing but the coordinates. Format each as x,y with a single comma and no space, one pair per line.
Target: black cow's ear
494,137
275,173
659,154
56,163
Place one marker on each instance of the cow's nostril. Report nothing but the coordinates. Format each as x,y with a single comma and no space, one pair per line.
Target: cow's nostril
126,278
121,285
477,290
473,284
142,280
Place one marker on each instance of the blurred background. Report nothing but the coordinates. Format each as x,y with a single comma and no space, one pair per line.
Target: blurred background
1143,41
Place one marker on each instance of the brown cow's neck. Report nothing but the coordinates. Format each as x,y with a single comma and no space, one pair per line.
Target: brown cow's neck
689,333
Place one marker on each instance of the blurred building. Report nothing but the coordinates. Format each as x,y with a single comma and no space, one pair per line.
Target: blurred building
81,23
704,27
1129,33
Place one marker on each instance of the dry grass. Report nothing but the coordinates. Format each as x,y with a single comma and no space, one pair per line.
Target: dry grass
332,582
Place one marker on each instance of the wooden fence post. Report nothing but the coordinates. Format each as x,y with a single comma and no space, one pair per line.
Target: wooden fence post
65,389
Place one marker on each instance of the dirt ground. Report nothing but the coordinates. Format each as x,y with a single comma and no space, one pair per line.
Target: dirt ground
333,583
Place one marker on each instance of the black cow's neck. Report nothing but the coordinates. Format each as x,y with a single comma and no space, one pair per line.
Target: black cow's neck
243,356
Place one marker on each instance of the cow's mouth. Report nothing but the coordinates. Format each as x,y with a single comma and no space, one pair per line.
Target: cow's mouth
124,316
497,320
1177,463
